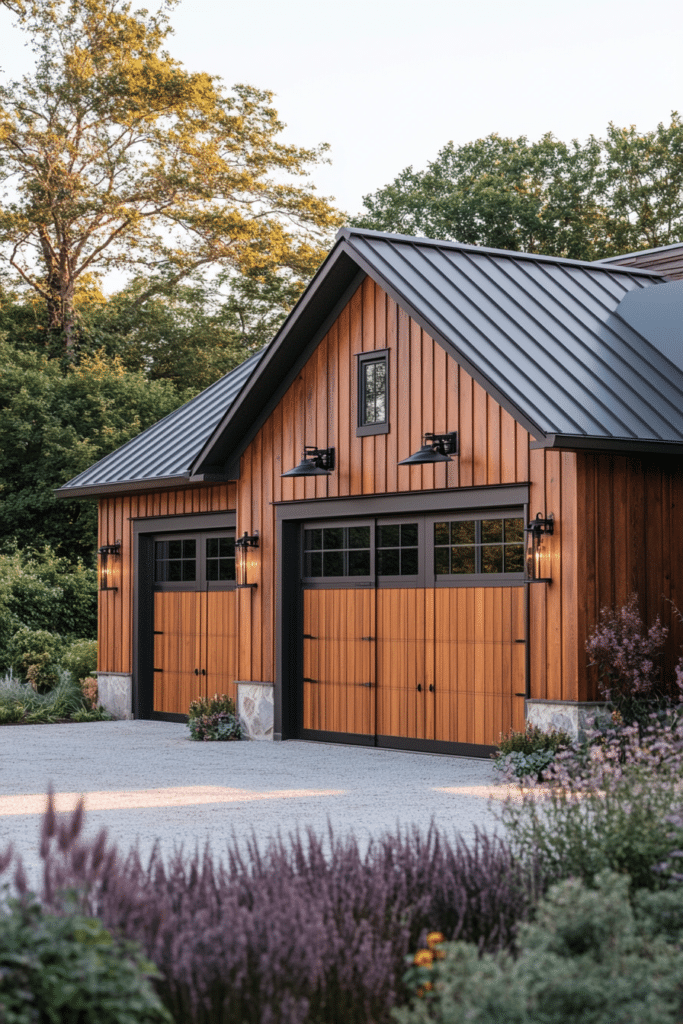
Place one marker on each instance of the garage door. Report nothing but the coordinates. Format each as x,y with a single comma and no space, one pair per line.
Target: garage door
389,660
195,632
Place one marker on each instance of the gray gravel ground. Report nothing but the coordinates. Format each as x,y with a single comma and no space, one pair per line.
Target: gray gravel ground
148,781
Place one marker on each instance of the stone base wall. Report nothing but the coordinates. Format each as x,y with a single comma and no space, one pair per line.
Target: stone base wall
255,709
572,717
115,693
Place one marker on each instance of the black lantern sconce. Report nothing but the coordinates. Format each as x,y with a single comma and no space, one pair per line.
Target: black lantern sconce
537,557
316,462
107,553
246,561
436,448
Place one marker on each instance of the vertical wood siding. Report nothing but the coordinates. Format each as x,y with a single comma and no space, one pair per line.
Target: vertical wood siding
630,541
428,392
116,516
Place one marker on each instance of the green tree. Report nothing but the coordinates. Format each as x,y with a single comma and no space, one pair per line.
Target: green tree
117,158
583,201
54,423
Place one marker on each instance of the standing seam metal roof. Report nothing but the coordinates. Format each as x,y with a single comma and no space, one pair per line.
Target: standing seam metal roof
543,335
165,450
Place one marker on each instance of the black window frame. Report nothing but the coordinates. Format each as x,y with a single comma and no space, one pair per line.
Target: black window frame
426,575
476,578
363,359
336,582
200,583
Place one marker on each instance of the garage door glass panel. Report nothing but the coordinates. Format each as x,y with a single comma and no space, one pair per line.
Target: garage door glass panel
397,549
335,552
478,547
175,561
220,559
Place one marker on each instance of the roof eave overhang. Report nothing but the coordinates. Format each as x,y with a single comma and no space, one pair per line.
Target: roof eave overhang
330,289
125,487
617,445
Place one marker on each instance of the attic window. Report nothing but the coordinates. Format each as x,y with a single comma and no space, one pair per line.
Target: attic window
373,393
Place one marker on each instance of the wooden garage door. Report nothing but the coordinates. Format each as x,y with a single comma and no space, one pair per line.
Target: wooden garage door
195,647
339,661
450,666
414,665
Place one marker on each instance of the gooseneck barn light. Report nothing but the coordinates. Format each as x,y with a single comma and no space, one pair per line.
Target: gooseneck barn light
537,555
107,553
246,559
436,448
316,462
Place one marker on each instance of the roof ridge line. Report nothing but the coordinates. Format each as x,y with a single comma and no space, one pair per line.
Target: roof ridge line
349,233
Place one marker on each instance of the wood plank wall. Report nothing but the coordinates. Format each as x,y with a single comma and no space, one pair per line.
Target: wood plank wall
429,392
116,517
630,542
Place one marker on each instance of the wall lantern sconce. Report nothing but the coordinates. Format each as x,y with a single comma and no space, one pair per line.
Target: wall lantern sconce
316,462
107,553
537,557
246,561
436,448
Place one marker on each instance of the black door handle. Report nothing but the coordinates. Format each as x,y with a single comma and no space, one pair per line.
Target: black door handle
431,688
419,687
196,671
203,671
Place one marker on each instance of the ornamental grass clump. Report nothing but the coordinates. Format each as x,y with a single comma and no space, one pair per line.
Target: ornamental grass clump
308,931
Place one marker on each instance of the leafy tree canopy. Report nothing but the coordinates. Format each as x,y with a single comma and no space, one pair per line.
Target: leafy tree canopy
55,421
585,201
117,158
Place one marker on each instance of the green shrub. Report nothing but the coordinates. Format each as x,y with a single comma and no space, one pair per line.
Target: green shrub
589,957
42,591
527,754
80,658
70,969
34,654
532,740
218,704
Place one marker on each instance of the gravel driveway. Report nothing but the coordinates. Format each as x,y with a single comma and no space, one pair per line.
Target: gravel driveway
147,780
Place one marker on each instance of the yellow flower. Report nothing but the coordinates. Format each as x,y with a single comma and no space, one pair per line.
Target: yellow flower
423,958
434,938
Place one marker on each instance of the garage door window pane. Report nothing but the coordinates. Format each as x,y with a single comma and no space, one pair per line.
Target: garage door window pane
397,549
335,552
175,561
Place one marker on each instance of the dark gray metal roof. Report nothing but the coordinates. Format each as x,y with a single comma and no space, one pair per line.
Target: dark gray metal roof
545,336
541,334
665,259
163,453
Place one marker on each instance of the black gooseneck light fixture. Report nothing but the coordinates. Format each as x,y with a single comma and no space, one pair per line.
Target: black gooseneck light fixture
316,462
436,448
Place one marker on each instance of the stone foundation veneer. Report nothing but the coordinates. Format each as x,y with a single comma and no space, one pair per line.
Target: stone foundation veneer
115,693
570,716
255,709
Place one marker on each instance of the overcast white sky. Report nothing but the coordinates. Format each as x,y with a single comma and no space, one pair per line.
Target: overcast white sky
388,82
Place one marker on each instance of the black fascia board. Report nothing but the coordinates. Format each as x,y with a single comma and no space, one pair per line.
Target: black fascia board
627,445
334,283
124,487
